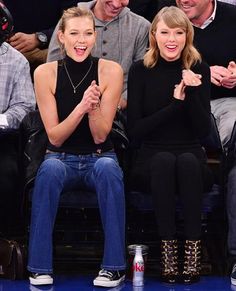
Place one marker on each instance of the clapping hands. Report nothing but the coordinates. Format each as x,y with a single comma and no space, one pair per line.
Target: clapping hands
189,78
230,81
91,98
226,77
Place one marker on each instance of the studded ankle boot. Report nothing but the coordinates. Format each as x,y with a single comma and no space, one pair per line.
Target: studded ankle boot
192,261
169,261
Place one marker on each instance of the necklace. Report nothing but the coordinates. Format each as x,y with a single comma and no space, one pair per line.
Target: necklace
80,82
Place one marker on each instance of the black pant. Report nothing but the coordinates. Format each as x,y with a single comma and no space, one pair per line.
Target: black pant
168,174
9,183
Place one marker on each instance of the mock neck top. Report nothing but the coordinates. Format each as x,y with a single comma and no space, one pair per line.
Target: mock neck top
81,140
169,65
156,118
77,70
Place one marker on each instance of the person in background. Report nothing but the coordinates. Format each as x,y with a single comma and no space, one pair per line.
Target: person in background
122,36
16,100
34,22
214,21
77,98
146,8
233,2
214,24
168,114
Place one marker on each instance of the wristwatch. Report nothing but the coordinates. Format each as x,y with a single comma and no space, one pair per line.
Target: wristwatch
43,40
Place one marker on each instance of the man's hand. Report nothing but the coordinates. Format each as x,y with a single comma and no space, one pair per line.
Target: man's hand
230,82
219,74
24,42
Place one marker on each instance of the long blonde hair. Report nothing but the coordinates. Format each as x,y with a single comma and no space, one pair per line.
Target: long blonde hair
173,17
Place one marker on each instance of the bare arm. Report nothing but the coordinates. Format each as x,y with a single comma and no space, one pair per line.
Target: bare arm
110,84
45,84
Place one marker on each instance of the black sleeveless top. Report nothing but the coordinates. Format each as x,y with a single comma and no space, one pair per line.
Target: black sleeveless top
81,140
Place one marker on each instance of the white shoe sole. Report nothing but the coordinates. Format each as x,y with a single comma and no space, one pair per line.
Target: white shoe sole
233,281
41,281
101,283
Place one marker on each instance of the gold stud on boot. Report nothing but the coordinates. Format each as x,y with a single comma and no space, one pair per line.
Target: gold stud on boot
192,261
169,261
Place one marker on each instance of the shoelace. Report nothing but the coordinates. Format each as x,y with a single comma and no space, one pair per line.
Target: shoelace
234,268
36,275
108,274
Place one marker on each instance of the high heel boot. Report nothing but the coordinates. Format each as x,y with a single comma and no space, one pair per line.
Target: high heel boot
169,261
192,261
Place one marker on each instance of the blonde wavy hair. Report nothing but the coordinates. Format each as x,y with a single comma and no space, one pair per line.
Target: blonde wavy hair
173,17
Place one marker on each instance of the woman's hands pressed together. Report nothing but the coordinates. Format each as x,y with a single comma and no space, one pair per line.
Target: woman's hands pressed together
189,78
91,98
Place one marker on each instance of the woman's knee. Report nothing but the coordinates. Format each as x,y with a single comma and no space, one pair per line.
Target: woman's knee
162,160
52,168
187,160
106,165
188,167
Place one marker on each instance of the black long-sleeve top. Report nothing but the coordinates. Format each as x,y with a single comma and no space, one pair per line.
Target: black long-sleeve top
217,42
155,117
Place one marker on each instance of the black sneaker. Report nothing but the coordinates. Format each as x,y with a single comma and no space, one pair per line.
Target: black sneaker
233,275
40,279
107,278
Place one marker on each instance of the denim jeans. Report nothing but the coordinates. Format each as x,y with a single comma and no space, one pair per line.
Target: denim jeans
60,172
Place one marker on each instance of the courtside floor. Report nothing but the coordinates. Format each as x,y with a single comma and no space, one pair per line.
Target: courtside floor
84,283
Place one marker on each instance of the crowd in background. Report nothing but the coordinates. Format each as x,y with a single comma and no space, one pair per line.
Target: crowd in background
197,52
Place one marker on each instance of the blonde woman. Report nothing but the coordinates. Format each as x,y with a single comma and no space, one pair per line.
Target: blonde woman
168,114
77,99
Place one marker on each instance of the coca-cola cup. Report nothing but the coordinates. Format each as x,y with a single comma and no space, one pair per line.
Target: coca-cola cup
131,254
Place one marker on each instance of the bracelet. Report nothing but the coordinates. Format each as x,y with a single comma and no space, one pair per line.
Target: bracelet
96,106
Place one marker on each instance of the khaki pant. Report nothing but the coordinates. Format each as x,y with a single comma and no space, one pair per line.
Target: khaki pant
224,110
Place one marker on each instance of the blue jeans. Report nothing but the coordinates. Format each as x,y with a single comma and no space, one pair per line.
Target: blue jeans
60,172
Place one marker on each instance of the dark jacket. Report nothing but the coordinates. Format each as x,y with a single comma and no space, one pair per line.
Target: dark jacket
34,142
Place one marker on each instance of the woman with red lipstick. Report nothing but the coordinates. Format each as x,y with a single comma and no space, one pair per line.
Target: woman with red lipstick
77,99
168,114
